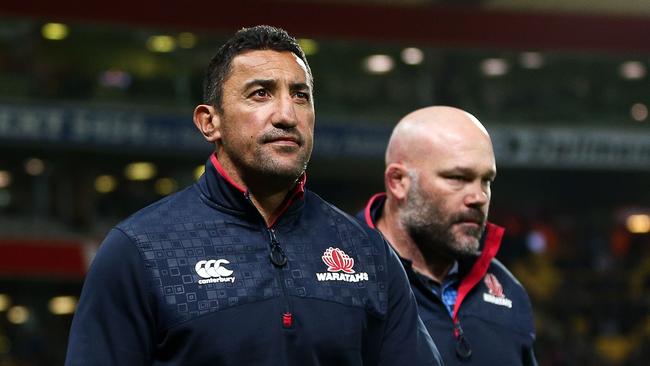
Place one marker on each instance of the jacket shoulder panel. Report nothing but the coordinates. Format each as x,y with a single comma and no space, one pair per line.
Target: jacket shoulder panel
499,298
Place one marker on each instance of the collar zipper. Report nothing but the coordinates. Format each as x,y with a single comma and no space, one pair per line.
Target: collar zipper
278,258
279,261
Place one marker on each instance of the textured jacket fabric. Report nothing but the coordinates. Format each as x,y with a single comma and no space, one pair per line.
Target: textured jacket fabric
492,322
198,278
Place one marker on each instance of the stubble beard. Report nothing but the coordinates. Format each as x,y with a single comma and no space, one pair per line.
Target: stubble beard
434,231
278,168
265,166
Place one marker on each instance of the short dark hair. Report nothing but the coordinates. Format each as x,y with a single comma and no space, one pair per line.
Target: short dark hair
261,37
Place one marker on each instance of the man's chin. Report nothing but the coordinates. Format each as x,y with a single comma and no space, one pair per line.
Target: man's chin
285,162
283,170
467,246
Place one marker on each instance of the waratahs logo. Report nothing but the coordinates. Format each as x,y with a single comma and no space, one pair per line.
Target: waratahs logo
337,261
495,294
493,285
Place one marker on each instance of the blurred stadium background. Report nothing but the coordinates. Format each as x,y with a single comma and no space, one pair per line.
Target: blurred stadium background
95,123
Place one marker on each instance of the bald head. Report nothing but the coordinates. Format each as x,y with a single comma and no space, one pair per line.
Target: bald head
425,130
439,170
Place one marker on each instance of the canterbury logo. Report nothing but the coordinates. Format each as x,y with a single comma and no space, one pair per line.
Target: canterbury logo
212,271
337,261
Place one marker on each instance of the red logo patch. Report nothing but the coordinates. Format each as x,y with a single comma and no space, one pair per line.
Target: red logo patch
337,260
493,285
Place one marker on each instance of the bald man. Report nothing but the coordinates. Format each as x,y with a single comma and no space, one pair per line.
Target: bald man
439,169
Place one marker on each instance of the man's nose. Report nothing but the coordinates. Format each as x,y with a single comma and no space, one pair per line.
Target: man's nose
477,195
285,113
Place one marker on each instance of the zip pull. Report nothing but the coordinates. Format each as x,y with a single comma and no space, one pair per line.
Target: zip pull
287,320
278,258
463,348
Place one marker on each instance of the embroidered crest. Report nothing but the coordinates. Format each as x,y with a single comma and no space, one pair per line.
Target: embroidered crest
337,261
495,293
493,285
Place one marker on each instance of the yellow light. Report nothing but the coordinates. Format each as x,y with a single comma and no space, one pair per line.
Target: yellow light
62,305
198,171
144,65
140,171
638,224
54,31
309,46
5,179
639,112
5,301
186,40
34,166
165,186
105,183
161,43
18,315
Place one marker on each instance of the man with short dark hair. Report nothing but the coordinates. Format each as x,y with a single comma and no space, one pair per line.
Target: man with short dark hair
247,267
439,169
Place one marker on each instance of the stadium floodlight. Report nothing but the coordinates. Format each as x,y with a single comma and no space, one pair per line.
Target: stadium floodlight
140,171
412,56
62,305
18,314
378,64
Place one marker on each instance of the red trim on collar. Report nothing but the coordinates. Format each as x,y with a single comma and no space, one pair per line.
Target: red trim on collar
367,212
224,174
298,192
493,235
300,185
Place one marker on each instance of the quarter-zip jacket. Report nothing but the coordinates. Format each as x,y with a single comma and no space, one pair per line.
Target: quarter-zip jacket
199,278
492,320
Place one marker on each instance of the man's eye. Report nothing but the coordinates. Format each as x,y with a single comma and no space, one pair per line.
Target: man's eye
302,95
260,93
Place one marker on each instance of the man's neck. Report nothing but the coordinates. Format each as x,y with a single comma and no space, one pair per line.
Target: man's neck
391,227
268,203
266,193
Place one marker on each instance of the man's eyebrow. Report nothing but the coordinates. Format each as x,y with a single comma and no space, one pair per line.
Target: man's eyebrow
459,170
271,83
468,171
299,86
266,83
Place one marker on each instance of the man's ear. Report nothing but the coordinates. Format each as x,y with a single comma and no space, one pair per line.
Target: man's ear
397,181
208,121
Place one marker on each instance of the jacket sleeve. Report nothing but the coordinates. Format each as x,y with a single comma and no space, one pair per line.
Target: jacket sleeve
528,351
405,340
113,323
529,357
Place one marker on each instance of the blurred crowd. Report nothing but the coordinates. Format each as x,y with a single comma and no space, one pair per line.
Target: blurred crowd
589,288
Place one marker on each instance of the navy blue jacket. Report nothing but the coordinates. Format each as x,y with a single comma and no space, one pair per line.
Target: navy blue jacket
198,278
492,323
